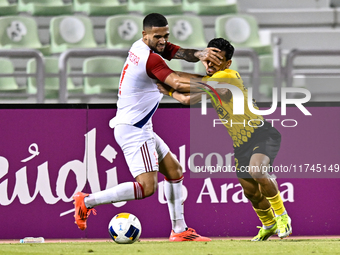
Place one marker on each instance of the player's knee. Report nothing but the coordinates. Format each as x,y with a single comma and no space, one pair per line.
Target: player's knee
149,188
254,196
174,173
257,171
179,169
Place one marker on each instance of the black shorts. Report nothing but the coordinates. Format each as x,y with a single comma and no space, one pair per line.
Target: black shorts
266,141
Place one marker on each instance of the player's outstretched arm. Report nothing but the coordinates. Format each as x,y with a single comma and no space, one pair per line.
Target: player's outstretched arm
208,54
183,98
184,82
188,75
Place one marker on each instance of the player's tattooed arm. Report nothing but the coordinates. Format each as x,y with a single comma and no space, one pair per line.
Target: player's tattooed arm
208,54
186,54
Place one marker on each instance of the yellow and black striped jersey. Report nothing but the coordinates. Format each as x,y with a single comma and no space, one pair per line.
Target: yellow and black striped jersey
240,127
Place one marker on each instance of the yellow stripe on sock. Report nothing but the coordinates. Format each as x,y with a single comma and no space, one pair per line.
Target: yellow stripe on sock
277,204
266,216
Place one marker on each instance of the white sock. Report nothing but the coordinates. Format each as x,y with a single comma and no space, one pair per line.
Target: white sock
123,192
268,227
173,194
285,212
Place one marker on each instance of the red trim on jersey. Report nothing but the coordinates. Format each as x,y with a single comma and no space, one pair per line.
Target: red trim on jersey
170,51
121,80
156,68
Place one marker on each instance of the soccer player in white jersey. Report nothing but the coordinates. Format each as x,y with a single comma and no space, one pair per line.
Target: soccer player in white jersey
145,152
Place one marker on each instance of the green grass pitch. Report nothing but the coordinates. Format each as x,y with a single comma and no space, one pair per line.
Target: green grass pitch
286,246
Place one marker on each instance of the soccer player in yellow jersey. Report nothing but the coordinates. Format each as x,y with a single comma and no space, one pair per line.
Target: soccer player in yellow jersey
255,146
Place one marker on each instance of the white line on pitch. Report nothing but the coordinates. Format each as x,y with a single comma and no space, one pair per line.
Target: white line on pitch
67,212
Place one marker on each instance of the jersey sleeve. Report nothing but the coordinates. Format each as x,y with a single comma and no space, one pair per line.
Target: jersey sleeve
156,68
170,51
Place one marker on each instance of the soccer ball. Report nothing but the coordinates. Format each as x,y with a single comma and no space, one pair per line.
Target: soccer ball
125,228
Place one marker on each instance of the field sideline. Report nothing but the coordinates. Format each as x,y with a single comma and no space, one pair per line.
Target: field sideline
291,245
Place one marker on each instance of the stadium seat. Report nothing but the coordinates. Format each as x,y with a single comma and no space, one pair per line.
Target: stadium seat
175,64
51,83
68,32
20,32
212,7
8,84
335,3
164,7
186,31
123,30
100,7
241,31
246,5
44,7
7,9
100,85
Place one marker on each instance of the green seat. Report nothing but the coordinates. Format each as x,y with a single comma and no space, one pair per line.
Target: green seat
68,32
8,84
123,30
100,7
242,32
164,7
51,83
44,7
200,68
20,32
186,31
106,65
212,7
7,9
175,64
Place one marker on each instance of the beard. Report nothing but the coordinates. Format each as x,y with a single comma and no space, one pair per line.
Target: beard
154,49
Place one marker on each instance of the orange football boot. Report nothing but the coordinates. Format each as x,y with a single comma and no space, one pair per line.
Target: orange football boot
188,235
81,212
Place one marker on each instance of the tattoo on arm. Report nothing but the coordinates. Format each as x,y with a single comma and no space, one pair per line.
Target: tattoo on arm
186,54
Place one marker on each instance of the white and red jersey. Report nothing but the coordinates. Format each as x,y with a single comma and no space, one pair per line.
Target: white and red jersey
138,95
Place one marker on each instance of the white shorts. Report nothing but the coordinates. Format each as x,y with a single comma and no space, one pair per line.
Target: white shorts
142,148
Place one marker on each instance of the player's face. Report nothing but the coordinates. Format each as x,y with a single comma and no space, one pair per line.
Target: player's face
156,38
212,68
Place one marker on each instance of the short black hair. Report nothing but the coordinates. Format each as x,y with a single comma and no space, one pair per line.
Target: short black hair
154,20
223,45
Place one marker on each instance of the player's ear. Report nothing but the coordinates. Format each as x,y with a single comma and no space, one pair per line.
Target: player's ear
144,33
229,63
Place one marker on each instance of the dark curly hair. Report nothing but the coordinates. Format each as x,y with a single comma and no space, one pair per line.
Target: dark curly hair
223,45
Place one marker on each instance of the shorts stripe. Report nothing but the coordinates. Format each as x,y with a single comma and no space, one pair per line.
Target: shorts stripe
146,157
142,152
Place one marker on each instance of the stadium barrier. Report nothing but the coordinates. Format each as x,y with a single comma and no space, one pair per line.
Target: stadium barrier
295,53
40,74
65,56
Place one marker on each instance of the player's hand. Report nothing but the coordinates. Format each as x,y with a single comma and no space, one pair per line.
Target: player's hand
163,88
210,54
